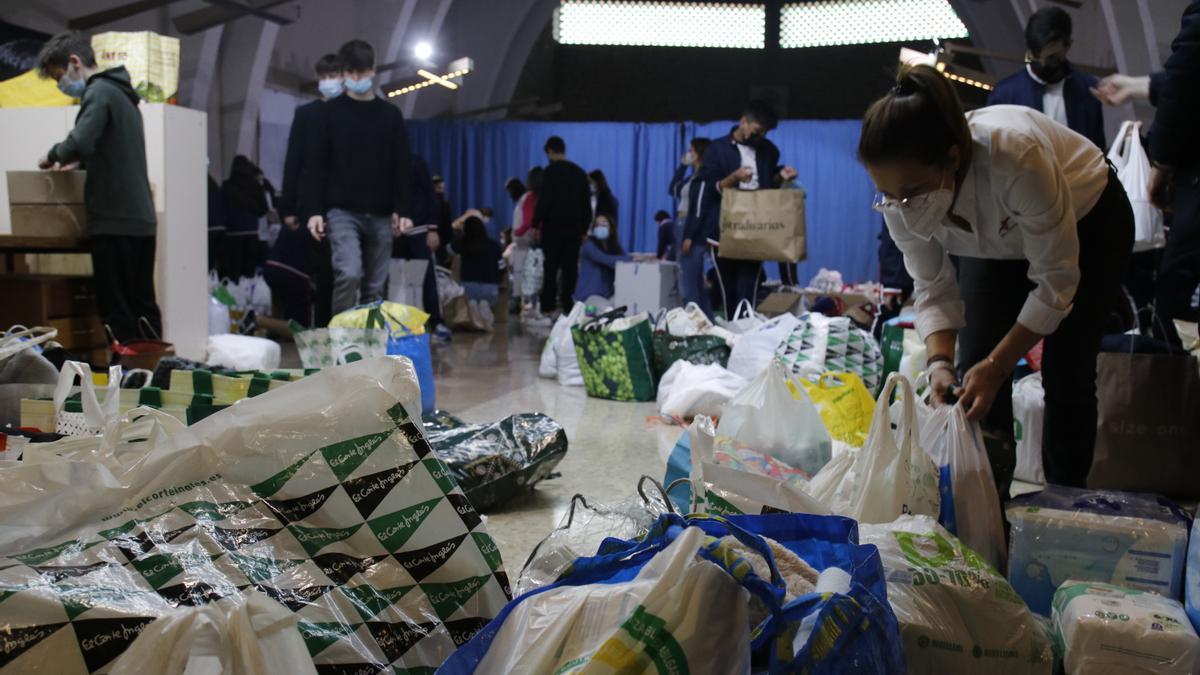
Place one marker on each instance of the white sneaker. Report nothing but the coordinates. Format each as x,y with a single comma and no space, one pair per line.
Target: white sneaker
485,312
536,319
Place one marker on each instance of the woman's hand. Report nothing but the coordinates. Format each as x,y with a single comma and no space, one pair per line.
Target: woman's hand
980,385
942,382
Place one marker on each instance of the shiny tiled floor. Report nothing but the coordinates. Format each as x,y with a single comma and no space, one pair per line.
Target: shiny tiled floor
486,377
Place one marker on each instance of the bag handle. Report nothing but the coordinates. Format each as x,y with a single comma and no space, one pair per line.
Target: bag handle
744,310
19,338
96,414
662,492
1118,154
164,425
881,420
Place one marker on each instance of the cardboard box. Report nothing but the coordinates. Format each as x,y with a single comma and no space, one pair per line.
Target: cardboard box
782,302
46,187
48,220
79,332
646,286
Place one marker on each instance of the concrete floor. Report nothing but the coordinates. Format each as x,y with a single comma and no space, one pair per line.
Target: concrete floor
486,377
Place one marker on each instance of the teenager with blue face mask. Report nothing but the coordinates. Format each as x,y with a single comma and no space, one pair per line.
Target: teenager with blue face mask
311,259
1042,231
598,258
357,191
108,141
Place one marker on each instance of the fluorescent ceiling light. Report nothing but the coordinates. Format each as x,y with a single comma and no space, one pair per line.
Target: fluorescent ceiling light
423,51
852,22
437,79
661,24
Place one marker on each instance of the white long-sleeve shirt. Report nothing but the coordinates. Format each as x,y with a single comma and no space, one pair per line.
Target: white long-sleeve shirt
1029,182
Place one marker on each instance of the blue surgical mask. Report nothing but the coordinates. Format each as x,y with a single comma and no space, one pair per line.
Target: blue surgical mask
72,88
331,87
600,232
359,87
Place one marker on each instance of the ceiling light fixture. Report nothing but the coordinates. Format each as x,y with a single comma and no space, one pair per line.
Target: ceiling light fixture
437,79
451,80
661,24
824,23
423,51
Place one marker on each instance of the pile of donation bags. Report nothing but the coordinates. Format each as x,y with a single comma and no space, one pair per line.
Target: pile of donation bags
312,527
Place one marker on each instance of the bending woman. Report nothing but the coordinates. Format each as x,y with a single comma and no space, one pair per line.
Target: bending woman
1042,231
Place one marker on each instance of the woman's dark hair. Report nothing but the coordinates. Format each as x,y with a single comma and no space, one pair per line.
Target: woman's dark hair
1048,24
920,119
475,239
700,146
18,57
601,182
611,245
533,181
661,216
356,56
329,64
515,188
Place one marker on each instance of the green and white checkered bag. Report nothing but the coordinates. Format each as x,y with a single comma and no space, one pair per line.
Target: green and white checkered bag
323,495
822,344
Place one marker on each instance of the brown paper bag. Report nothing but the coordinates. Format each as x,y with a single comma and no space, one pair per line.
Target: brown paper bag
1148,436
763,225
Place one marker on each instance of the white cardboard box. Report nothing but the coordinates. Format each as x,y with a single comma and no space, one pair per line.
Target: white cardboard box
646,286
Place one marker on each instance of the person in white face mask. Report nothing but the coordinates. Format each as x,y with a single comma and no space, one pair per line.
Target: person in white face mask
1041,230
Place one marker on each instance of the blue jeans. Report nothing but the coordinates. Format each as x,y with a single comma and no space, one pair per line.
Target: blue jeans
361,246
477,290
691,277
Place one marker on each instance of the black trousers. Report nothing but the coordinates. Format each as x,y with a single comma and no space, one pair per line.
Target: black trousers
562,256
787,274
1179,271
292,293
739,281
994,292
123,268
322,267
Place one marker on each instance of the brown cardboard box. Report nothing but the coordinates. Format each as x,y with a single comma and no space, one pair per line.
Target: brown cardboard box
79,332
48,220
780,302
46,187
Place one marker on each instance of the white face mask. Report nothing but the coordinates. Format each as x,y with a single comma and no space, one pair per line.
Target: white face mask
923,214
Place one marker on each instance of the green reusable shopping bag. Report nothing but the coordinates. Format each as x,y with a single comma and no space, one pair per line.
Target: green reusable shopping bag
698,349
616,364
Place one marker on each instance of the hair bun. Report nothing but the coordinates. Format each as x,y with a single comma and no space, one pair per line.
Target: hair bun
906,84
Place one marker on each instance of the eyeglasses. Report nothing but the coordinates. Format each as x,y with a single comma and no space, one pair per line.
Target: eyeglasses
885,204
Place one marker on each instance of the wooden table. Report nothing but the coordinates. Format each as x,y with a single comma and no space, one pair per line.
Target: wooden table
12,246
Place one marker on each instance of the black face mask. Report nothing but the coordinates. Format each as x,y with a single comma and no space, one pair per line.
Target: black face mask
753,140
1051,71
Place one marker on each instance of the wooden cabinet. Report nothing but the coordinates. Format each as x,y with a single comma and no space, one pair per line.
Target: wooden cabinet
67,303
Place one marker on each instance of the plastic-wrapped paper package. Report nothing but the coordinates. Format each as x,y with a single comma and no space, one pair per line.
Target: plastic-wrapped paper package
323,496
957,614
1126,538
1110,630
494,462
1029,409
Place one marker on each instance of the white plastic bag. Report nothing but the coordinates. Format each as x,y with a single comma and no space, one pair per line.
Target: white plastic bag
260,295
687,390
98,409
1133,169
970,507
744,320
883,479
218,317
1029,409
687,321
755,348
956,614
1111,630
677,598
774,416
558,354
243,352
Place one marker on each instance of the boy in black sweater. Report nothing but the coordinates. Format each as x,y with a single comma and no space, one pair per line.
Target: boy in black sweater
357,189
109,142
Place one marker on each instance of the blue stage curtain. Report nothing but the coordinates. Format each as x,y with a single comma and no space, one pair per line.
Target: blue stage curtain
476,158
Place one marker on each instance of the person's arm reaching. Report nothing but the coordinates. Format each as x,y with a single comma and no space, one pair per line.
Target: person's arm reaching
81,141
402,212
291,170
313,173
592,252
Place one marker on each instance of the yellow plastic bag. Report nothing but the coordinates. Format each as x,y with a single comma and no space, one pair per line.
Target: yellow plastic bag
401,319
845,406
30,91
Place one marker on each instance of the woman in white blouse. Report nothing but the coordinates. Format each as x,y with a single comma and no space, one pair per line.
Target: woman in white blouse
1041,231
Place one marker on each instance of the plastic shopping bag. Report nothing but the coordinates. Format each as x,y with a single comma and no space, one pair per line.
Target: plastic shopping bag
324,495
680,614
1029,409
755,349
99,407
1133,170
891,475
957,614
845,406
744,319
243,352
531,278
773,415
687,390
558,355
970,507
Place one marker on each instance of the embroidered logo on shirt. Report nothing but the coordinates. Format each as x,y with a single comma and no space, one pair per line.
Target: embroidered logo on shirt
1006,226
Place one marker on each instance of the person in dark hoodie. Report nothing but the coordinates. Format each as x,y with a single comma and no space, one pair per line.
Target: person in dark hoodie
109,142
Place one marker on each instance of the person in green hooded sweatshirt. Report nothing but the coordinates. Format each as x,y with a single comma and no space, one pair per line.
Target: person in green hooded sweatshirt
109,142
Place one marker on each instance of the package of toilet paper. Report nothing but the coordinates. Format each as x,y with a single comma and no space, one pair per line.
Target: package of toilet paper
1109,630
